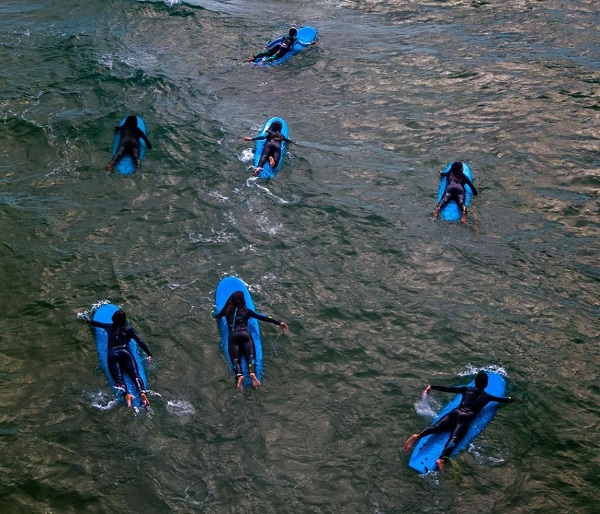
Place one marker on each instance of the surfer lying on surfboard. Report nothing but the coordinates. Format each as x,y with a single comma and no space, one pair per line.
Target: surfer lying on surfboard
240,341
129,143
120,358
455,189
272,148
279,50
458,420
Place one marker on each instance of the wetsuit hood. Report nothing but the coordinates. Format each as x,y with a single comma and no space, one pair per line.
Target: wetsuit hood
276,126
481,380
131,122
293,32
119,318
457,167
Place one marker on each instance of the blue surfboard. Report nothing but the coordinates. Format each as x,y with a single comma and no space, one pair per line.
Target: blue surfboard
268,172
451,211
226,287
103,314
429,449
126,165
306,35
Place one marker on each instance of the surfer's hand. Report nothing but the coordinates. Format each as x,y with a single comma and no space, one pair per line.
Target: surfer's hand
149,359
84,315
247,138
427,389
284,326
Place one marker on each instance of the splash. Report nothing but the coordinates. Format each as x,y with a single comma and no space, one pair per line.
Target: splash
180,407
427,407
492,368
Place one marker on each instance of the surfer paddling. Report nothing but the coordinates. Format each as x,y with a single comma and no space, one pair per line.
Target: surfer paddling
272,149
129,143
241,344
455,189
458,420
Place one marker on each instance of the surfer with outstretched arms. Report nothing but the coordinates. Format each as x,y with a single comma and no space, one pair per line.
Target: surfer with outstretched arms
120,358
458,420
238,314
129,143
272,148
279,50
455,189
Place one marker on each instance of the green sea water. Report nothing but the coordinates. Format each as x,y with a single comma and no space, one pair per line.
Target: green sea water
380,298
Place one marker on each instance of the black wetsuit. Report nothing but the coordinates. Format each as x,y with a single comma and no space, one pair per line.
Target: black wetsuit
240,340
130,143
458,420
272,147
455,188
120,358
279,50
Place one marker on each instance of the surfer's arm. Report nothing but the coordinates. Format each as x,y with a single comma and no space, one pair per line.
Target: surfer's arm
216,314
268,319
501,399
470,184
259,137
146,140
134,335
449,389
98,324
287,139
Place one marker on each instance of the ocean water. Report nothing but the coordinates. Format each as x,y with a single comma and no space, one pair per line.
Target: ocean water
380,298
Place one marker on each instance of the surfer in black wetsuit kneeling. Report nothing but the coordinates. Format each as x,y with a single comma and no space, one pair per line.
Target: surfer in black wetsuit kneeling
241,344
458,420
455,189
129,143
279,50
272,148
120,358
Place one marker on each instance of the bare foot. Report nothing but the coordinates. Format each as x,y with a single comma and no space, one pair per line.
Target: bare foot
272,162
436,212
145,400
128,400
110,167
410,442
240,383
257,171
440,463
255,381
463,218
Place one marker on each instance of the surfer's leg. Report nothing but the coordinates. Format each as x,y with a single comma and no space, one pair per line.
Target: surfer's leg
114,368
443,425
463,422
460,198
275,155
134,151
250,352
234,355
446,197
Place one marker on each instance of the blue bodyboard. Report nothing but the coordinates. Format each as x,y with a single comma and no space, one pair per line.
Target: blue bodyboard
126,165
429,449
268,172
305,35
226,287
103,314
451,211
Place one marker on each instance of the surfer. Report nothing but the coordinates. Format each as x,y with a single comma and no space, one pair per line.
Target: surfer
455,189
241,344
280,49
458,420
120,358
272,149
129,143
